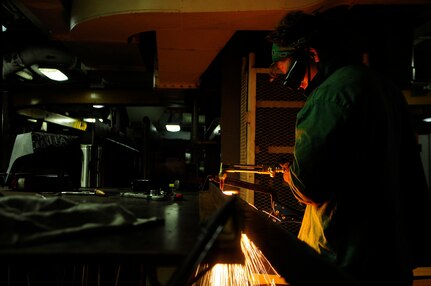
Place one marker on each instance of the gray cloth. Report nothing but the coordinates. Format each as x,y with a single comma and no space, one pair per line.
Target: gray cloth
29,219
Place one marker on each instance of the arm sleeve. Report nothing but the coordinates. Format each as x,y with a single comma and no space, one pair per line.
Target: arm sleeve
317,129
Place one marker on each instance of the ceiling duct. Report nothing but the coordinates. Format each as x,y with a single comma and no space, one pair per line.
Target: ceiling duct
37,55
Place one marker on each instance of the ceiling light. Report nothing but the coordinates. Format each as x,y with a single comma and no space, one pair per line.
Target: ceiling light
25,74
53,74
173,127
90,120
173,122
213,129
98,106
3,28
44,126
428,119
215,132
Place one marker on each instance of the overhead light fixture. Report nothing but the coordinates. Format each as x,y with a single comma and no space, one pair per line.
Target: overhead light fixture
173,127
53,74
213,129
3,28
428,119
98,106
215,132
90,120
25,74
171,124
44,126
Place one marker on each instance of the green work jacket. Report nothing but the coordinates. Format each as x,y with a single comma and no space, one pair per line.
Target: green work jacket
358,170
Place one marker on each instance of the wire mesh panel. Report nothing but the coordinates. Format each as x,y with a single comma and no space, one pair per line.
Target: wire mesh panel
244,121
246,132
275,115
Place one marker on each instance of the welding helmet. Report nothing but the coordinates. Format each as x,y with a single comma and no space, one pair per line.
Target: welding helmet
297,69
297,64
280,53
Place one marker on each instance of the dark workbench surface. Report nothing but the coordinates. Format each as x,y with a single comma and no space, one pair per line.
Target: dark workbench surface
164,243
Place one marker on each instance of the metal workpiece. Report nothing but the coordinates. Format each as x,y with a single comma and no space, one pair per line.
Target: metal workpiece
56,118
279,212
219,242
293,259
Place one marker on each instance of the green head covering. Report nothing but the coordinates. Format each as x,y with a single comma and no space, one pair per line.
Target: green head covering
280,53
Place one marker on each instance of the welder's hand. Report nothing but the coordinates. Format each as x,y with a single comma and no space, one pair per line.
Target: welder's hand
286,172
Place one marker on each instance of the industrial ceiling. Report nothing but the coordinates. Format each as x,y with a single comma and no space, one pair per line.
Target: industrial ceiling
139,46
173,41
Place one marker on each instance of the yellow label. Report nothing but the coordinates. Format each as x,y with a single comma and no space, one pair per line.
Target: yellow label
81,125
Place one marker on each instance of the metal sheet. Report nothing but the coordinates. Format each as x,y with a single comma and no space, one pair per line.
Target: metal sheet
55,118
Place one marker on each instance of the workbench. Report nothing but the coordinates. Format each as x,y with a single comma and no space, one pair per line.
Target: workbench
164,243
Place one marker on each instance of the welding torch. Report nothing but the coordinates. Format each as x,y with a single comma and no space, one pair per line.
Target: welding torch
250,169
